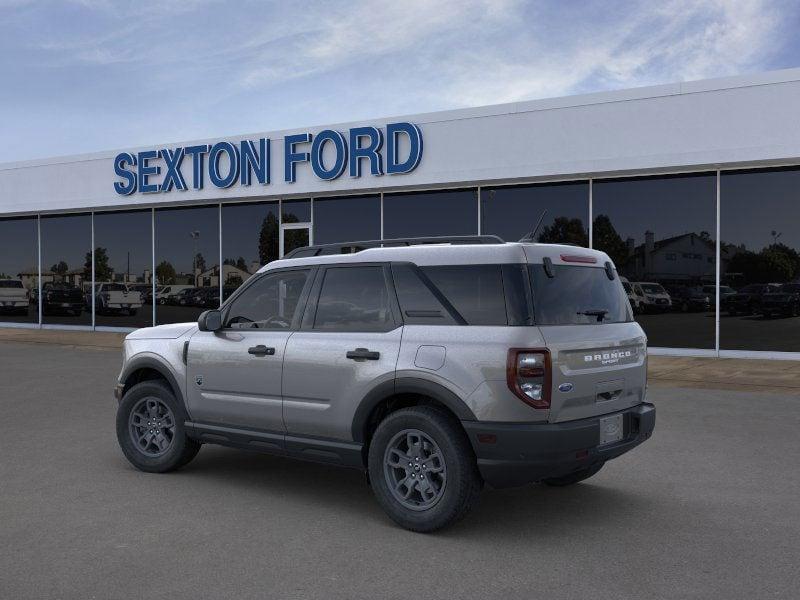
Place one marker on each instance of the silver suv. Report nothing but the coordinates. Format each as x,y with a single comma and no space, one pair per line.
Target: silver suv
434,365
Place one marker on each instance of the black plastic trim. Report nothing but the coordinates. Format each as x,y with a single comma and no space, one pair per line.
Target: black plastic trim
407,385
147,362
347,454
512,454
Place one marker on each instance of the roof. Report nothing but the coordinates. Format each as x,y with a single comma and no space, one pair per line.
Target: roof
451,254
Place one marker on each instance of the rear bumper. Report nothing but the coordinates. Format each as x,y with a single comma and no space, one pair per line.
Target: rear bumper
524,453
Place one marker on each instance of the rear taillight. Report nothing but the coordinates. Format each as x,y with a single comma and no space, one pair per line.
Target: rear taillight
528,375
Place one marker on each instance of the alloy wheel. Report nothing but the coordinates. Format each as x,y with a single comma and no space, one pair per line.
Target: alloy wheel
152,426
415,470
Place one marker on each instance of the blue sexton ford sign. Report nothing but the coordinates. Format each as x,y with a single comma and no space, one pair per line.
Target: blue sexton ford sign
225,164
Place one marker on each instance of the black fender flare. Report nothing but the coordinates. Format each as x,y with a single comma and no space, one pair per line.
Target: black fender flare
407,385
148,362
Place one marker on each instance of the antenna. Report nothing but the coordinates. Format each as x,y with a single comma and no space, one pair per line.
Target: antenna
531,236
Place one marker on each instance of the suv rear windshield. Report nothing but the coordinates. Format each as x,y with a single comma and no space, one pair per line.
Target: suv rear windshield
577,296
10,283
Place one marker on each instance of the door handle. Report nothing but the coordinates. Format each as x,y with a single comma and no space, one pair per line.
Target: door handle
261,350
363,354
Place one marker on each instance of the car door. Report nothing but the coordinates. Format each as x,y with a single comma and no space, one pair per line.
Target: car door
348,344
234,374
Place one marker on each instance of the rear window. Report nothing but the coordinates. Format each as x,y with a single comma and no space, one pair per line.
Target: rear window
10,283
577,296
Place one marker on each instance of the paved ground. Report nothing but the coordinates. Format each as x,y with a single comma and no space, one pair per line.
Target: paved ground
706,509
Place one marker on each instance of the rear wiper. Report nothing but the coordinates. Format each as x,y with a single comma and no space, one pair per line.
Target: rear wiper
598,312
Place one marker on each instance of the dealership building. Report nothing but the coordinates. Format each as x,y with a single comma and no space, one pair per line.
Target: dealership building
692,188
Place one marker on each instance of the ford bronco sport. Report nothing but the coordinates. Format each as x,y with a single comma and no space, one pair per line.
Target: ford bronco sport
435,365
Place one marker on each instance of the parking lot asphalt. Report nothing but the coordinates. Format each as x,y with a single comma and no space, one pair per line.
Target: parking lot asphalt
705,509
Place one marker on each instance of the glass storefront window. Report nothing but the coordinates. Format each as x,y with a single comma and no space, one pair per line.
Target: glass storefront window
351,218
512,212
249,241
123,266
19,270
67,269
422,214
659,231
296,211
760,260
187,262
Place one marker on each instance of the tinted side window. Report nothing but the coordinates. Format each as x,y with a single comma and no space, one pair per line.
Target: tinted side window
354,299
476,291
417,302
269,303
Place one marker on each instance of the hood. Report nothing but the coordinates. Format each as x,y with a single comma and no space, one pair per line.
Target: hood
162,332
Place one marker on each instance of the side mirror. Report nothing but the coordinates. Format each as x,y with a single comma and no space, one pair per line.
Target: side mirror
210,320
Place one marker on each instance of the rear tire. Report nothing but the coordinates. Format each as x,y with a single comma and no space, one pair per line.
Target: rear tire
573,478
410,444
151,431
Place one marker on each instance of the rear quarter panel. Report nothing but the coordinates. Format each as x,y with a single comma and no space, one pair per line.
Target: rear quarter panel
473,365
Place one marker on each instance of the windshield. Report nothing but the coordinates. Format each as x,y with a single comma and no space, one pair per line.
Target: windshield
577,296
10,283
653,288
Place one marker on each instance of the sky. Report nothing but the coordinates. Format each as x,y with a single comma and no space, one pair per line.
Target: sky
91,75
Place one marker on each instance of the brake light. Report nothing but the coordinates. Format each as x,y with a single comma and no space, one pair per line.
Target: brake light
578,258
528,375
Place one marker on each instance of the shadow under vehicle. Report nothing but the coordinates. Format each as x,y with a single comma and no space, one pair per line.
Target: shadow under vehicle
747,300
785,301
14,298
690,299
62,298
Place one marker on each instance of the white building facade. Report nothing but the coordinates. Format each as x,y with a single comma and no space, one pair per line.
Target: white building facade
686,185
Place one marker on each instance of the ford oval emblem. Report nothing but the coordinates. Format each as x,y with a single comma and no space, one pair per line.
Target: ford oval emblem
565,387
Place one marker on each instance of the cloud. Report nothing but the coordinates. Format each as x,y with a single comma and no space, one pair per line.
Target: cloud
204,68
657,43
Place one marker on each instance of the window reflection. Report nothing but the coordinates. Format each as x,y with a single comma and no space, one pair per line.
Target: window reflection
123,265
347,219
19,270
187,262
249,241
66,269
760,266
512,212
658,232
296,211
420,214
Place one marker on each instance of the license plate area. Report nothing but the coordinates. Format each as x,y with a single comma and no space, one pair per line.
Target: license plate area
612,429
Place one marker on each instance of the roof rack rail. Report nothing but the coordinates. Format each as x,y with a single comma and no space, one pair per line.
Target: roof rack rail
351,247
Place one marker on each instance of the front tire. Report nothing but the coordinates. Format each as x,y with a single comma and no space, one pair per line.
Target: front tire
422,469
151,431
